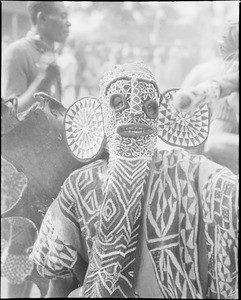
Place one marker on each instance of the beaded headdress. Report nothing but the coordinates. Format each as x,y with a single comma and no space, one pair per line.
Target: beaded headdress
138,69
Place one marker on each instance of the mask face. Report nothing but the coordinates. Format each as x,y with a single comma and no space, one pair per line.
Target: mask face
130,112
128,117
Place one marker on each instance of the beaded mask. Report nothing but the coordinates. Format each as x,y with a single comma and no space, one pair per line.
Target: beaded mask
129,115
129,98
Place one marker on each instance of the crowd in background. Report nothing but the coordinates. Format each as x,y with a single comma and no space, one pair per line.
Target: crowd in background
170,66
171,39
83,65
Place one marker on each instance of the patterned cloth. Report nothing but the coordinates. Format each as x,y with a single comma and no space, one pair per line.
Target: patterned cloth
184,192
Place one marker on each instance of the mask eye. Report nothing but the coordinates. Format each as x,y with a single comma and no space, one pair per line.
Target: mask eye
151,109
118,102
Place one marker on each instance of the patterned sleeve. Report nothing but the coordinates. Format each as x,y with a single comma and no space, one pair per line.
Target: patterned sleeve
218,88
221,219
209,91
66,235
223,111
56,249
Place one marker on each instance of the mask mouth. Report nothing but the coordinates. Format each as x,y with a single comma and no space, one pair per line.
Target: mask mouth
135,130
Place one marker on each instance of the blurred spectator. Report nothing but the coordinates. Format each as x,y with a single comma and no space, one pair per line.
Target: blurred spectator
90,78
204,71
159,65
81,61
118,54
213,66
68,69
222,145
28,65
127,53
174,68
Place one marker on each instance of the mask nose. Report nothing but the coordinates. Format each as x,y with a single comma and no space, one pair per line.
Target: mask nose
135,103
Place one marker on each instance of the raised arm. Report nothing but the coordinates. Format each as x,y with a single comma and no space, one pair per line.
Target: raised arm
209,91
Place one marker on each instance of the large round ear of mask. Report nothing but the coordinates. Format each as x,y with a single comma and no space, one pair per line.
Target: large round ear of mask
84,130
179,129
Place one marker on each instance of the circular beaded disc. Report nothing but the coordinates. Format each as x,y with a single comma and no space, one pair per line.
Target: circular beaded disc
182,129
84,129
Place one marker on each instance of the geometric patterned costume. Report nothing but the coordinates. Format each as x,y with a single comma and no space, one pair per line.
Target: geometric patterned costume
173,220
183,207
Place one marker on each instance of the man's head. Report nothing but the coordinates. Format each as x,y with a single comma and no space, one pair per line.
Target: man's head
50,20
130,96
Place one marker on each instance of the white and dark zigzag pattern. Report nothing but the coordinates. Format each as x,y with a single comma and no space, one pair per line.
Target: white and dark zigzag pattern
53,258
172,226
135,93
122,280
141,71
182,129
136,103
81,198
125,183
220,207
121,208
79,202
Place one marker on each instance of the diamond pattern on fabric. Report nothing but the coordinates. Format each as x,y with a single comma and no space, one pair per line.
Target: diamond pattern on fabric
220,207
172,225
